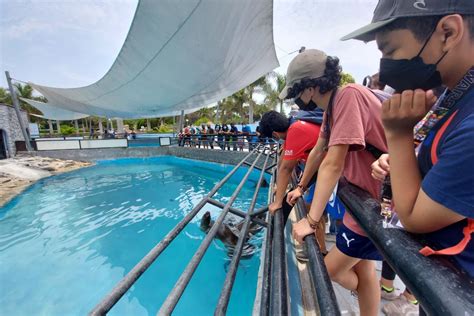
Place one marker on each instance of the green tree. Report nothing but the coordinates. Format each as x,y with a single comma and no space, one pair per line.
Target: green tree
272,92
5,96
346,78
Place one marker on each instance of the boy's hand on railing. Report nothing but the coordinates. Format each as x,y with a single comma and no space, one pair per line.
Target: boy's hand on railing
302,229
273,207
293,196
381,167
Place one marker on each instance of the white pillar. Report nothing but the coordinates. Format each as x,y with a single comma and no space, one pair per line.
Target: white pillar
51,130
119,125
250,113
58,126
101,128
76,125
148,125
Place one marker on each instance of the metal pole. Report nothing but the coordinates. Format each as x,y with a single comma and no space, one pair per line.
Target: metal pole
51,130
58,127
325,296
250,113
16,105
238,212
178,289
181,121
267,263
278,286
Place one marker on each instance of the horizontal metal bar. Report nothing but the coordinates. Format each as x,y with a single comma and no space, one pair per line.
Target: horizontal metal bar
179,287
260,211
440,289
270,167
325,297
126,283
237,212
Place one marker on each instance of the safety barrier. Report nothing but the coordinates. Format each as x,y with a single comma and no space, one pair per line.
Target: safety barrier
440,288
170,303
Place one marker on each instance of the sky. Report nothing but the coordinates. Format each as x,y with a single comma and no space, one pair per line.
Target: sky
72,43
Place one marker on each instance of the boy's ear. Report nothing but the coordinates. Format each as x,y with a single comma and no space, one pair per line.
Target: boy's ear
453,29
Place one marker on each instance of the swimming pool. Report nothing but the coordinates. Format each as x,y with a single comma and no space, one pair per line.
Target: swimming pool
69,239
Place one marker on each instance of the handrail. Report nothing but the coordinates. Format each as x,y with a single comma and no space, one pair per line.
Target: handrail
278,290
179,287
325,297
278,285
127,282
268,255
440,289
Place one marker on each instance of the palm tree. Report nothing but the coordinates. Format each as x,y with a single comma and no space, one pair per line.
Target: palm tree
26,91
5,96
272,92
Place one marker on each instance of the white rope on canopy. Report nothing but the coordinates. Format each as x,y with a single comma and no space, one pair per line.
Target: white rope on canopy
179,55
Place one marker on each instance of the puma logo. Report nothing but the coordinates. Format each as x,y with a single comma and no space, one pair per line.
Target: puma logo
420,5
348,241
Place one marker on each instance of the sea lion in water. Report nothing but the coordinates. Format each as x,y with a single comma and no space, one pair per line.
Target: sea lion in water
229,234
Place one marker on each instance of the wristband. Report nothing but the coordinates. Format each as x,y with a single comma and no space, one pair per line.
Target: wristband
303,189
312,223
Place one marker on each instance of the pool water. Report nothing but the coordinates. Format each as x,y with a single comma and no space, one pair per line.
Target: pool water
66,241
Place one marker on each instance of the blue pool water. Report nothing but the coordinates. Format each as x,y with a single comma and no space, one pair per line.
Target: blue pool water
69,239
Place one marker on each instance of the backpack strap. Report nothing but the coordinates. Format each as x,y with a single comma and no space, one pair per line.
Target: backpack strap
456,249
374,150
469,229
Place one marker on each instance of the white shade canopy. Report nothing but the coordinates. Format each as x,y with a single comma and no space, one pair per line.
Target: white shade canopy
179,55
54,113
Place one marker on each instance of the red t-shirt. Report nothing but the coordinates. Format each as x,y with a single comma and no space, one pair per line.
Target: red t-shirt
301,137
356,121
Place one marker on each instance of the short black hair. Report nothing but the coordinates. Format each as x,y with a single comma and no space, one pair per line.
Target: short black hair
273,121
422,27
329,81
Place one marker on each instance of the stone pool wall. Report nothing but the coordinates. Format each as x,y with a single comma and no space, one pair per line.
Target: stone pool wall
218,156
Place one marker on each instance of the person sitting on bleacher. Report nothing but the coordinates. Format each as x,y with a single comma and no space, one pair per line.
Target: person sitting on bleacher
422,49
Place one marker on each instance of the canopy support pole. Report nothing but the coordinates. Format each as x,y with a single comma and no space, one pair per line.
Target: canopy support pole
16,105
51,130
181,121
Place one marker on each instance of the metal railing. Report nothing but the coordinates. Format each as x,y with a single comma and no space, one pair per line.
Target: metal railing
325,297
170,303
440,288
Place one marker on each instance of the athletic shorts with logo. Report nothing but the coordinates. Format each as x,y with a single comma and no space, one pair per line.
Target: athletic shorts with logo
355,245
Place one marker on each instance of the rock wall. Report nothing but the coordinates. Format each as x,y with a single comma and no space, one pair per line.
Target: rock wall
9,123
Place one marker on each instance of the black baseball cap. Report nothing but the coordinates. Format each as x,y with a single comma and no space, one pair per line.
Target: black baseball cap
388,11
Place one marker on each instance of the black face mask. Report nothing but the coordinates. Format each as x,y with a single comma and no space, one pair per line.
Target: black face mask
306,107
410,74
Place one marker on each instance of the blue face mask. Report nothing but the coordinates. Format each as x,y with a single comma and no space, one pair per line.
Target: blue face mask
410,74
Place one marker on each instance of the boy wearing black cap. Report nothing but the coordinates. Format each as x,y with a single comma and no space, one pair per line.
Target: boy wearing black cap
425,44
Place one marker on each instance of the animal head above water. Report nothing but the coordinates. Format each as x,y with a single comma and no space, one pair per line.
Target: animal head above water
206,222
